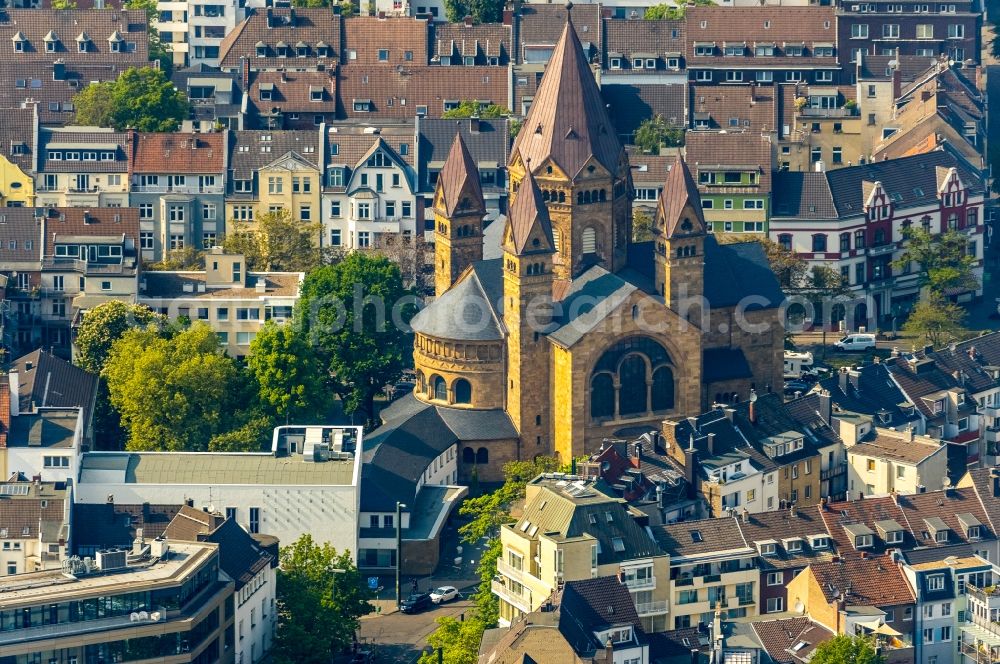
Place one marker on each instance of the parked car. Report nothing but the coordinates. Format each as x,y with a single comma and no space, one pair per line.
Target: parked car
793,386
862,342
444,594
416,603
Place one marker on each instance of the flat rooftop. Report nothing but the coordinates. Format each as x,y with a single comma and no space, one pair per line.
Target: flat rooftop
49,428
53,586
968,562
212,468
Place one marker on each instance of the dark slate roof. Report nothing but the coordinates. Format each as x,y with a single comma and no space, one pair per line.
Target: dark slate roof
594,605
971,357
934,554
18,131
779,637
465,312
90,139
691,538
919,377
53,382
414,433
567,121
239,554
21,226
914,179
869,391
812,414
260,148
107,525
630,104
738,270
772,418
987,490
487,141
459,181
803,195
724,364
590,298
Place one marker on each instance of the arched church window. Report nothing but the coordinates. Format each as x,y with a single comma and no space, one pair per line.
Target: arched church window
463,391
663,389
421,382
440,388
548,169
686,225
545,195
602,195
468,455
632,393
579,197
482,455
555,239
586,197
602,396
562,196
589,241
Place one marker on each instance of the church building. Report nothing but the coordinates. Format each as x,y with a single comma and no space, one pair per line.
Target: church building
577,334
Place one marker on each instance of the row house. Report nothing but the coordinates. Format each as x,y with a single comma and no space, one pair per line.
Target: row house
61,262
18,152
82,167
762,45
52,86
852,219
471,44
74,36
571,530
944,404
927,29
733,174
888,461
235,302
643,52
369,187
178,188
649,172
291,100
303,39
193,30
269,171
712,569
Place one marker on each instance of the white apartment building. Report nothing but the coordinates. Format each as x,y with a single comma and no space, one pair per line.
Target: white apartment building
194,29
307,483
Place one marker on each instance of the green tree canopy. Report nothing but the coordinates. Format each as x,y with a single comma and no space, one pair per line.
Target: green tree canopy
289,379
274,242
944,260
355,314
468,108
105,324
157,51
936,321
142,99
481,11
642,226
845,649
664,12
320,597
655,132
174,393
188,258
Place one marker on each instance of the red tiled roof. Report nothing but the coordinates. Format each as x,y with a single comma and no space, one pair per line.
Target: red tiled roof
178,153
773,25
292,92
67,28
103,222
402,40
312,27
679,193
707,149
459,180
876,581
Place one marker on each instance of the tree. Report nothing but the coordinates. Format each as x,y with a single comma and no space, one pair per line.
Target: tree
481,11
188,258
253,436
664,12
642,226
320,598
460,640
944,259
356,315
274,242
142,99
469,108
288,376
936,321
655,132
174,393
105,324
846,649
157,51
63,4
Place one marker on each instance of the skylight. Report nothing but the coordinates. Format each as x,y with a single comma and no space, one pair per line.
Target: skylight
618,544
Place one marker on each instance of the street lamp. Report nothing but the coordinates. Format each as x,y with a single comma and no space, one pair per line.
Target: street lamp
399,547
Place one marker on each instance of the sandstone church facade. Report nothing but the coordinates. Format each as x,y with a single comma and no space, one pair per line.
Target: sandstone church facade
577,334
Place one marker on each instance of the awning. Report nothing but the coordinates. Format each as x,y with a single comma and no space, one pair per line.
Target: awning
822,44
887,631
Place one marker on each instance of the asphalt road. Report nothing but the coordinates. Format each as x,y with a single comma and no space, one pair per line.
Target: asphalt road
399,638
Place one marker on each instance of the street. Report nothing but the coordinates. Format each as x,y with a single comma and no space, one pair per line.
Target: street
398,637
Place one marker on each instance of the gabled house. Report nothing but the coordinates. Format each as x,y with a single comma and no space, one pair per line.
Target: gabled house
18,156
83,168
272,38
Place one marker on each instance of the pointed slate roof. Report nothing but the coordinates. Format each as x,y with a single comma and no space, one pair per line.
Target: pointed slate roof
459,181
529,220
567,121
679,192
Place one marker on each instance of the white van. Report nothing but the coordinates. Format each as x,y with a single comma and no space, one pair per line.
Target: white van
796,364
857,342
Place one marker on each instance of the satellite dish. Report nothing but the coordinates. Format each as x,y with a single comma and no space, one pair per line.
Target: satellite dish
799,606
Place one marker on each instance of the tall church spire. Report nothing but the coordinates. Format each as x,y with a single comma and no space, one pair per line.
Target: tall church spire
568,122
459,209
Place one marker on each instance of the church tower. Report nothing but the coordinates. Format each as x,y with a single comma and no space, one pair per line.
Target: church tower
569,144
679,235
459,209
528,250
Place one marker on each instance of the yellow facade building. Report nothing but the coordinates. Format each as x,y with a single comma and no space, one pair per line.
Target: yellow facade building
19,136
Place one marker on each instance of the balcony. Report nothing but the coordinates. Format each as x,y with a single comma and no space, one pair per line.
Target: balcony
184,189
63,630
989,595
522,577
519,602
838,470
843,112
83,190
882,249
651,608
85,267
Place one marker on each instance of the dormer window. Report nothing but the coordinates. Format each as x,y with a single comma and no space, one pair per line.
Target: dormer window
793,545
971,525
315,93
282,49
637,63
862,541
322,50
266,92
83,42
20,43
115,42
301,50
768,548
261,50
616,63
935,582
819,541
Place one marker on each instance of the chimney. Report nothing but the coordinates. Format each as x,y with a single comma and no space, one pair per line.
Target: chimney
689,464
468,21
753,407
15,393
270,17
261,285
138,543
638,455
894,496
291,17
745,515
711,443
791,510
928,348
508,17
729,413
822,504
609,652
909,433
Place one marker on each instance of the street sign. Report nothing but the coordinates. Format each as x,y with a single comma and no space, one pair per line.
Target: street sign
372,582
